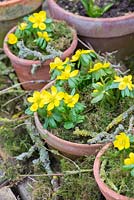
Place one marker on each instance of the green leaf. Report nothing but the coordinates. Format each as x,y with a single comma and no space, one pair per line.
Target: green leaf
57,117
48,21
28,111
97,98
68,125
128,167
132,172
52,123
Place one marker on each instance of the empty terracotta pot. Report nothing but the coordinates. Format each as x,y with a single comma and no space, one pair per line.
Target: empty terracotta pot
108,193
23,66
68,148
104,34
12,11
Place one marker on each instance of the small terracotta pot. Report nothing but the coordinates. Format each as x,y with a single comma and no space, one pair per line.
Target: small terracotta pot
104,34
108,193
23,66
64,146
14,10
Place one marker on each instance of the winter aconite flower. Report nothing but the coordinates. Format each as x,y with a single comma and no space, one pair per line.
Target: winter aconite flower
12,39
71,100
130,160
99,66
38,20
22,26
44,35
124,82
66,74
58,64
37,100
122,141
79,52
53,98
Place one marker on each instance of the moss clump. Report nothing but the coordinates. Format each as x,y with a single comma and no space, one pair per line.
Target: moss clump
113,174
81,186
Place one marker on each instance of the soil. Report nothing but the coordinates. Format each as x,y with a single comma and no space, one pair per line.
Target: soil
120,7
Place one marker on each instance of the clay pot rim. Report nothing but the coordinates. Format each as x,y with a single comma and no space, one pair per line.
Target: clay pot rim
10,2
30,62
46,133
101,184
108,20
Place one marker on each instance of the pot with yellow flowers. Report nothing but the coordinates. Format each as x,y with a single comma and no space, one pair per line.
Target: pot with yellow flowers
13,11
78,111
33,44
114,166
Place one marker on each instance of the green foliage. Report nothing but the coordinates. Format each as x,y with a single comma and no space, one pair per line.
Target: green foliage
117,177
37,32
94,10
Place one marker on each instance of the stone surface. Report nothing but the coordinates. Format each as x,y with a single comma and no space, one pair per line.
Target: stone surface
6,194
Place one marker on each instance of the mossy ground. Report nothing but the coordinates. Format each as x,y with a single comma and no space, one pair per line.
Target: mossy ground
15,140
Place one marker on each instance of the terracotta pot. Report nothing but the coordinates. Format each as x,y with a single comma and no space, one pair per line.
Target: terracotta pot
64,146
108,193
104,34
12,11
23,67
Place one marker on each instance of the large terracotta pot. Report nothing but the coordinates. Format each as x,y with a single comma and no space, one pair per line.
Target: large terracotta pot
108,193
104,34
66,147
23,67
12,11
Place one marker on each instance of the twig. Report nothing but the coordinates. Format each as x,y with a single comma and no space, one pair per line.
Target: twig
43,155
65,173
19,84
13,99
120,118
131,125
88,46
105,136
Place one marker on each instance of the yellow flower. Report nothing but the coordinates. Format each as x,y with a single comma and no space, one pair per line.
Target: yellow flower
44,35
22,26
79,52
71,100
122,141
124,82
99,66
130,160
38,20
53,98
12,39
58,64
65,75
37,99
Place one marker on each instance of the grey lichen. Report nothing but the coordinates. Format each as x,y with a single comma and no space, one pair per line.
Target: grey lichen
25,52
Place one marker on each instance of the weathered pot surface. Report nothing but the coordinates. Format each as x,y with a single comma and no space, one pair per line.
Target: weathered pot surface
104,34
23,66
64,146
108,193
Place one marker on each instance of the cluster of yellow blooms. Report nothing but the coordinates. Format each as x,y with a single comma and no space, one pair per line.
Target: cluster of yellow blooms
37,21
121,142
51,99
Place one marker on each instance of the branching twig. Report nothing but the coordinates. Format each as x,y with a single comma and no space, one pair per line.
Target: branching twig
105,136
120,118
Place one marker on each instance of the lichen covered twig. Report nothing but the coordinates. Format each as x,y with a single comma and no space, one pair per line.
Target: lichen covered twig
120,118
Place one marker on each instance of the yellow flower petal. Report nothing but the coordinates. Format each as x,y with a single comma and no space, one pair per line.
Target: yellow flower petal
34,107
74,73
50,106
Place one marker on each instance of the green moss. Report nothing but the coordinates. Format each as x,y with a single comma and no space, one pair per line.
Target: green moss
115,177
